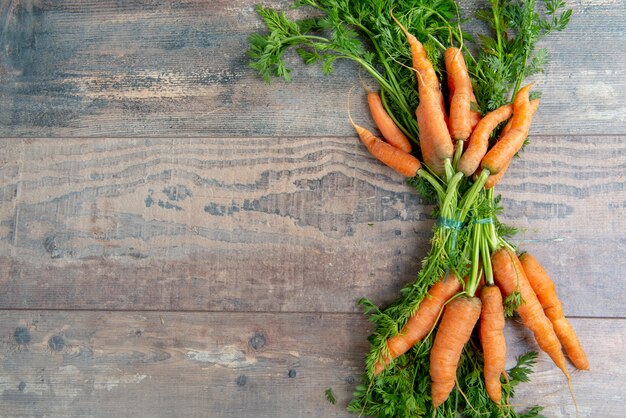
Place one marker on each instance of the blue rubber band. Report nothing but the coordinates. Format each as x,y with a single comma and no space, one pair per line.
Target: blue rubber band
452,224
448,223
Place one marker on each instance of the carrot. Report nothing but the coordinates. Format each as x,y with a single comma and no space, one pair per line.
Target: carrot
422,321
534,105
435,142
546,293
509,144
474,114
509,276
508,126
423,67
492,339
479,140
402,162
455,329
387,127
461,95
494,179
421,63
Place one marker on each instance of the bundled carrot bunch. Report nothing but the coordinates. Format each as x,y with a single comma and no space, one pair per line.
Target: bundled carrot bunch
472,277
464,303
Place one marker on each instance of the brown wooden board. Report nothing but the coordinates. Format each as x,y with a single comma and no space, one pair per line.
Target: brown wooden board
147,68
277,224
162,364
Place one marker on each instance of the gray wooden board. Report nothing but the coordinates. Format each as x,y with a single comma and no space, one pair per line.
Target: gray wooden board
277,224
109,68
162,364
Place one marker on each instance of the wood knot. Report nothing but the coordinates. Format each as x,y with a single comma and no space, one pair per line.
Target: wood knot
257,341
22,335
241,380
56,343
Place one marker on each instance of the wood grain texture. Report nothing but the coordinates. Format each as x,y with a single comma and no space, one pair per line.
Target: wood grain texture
145,68
162,364
601,339
169,364
207,262
277,224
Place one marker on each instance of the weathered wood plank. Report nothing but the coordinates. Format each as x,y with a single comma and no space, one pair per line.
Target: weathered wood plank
600,339
276,224
168,364
107,68
224,365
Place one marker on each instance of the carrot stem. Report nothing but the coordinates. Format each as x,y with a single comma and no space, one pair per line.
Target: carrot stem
383,60
457,153
495,7
492,237
485,256
471,194
527,49
446,205
490,231
450,171
472,282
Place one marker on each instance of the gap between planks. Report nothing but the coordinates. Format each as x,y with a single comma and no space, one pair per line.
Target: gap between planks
199,311
256,138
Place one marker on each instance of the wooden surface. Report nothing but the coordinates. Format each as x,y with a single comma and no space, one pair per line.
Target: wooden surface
179,239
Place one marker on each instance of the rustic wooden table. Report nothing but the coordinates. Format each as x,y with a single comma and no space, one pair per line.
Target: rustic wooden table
179,239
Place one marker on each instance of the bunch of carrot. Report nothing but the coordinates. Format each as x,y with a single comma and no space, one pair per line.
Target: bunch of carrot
454,146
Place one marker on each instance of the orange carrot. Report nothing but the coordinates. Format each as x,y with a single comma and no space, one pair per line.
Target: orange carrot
546,293
509,276
461,95
494,179
479,140
402,162
474,114
421,63
455,329
435,141
534,105
422,321
387,127
492,339
508,125
509,144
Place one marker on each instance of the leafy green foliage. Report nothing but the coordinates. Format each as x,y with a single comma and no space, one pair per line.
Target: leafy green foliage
504,59
342,32
403,391
423,188
330,395
363,31
502,230
511,303
267,51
